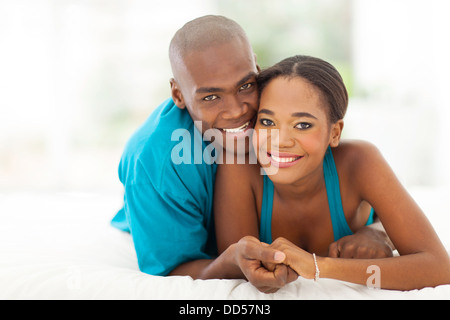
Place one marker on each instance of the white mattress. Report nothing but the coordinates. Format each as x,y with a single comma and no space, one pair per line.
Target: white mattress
61,246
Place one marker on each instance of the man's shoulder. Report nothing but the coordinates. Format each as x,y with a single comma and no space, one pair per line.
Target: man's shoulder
166,118
150,144
148,154
154,135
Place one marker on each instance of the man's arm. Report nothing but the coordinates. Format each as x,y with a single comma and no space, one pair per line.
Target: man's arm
166,225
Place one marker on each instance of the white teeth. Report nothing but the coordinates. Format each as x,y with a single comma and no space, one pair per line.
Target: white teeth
240,129
283,159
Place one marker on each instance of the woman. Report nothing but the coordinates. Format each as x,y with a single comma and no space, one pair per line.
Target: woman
317,189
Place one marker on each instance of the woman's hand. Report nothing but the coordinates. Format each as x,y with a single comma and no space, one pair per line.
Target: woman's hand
252,257
298,259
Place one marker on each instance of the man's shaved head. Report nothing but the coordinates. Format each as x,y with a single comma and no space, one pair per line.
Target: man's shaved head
201,33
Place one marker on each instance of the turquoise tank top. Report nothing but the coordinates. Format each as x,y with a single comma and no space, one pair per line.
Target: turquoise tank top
340,226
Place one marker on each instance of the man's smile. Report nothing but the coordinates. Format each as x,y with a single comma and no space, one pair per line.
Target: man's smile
240,129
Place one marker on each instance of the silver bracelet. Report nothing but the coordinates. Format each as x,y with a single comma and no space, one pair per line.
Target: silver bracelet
316,276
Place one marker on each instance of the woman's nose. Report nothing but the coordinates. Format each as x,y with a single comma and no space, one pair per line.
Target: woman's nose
281,138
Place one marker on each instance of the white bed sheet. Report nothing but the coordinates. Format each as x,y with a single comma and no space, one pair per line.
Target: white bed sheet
61,246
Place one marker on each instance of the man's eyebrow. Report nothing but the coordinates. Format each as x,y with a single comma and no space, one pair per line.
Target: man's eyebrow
214,89
251,74
208,90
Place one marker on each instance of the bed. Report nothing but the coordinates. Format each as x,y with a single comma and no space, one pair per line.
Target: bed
61,246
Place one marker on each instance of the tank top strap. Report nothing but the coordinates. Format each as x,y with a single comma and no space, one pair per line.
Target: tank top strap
340,226
265,229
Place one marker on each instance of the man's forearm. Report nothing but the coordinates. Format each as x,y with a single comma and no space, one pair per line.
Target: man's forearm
223,267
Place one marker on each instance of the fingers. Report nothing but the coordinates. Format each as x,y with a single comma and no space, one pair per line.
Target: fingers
347,248
267,281
282,275
269,266
297,259
333,250
252,248
262,265
343,249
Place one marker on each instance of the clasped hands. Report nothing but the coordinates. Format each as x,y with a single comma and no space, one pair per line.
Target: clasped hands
270,267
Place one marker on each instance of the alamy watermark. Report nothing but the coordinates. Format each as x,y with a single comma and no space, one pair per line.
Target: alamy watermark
224,147
374,280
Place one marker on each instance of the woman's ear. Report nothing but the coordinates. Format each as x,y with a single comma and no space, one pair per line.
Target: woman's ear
177,96
336,131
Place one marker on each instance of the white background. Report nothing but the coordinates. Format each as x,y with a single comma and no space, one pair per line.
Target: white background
78,77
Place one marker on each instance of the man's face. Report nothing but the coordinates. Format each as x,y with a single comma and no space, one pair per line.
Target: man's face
218,87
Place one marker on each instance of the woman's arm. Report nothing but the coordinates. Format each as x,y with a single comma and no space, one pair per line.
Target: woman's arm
413,271
423,260
241,254
235,210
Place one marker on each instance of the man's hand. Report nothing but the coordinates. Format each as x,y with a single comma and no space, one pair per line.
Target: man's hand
252,256
369,242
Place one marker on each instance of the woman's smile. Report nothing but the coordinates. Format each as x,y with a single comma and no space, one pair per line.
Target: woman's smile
283,159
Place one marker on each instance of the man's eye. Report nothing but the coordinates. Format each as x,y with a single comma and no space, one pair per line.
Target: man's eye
210,98
303,125
266,122
246,86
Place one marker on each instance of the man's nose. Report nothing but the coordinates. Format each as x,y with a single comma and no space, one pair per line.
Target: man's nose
234,109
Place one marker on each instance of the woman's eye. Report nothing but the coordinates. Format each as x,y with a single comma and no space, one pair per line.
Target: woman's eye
303,125
210,98
246,86
266,122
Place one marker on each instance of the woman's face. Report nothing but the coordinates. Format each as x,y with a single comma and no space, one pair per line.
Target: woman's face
292,131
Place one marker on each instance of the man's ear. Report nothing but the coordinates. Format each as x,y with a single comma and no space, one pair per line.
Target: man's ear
256,63
177,96
336,131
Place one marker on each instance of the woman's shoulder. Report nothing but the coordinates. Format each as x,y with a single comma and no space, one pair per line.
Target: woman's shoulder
355,149
354,157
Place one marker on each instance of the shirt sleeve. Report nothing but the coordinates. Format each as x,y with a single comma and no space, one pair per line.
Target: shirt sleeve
167,224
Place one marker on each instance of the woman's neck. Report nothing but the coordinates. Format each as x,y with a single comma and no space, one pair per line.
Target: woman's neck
303,189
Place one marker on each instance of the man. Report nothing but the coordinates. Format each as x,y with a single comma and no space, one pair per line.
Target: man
168,202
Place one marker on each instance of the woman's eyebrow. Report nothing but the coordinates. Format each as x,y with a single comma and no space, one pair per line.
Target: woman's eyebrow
269,112
303,114
295,114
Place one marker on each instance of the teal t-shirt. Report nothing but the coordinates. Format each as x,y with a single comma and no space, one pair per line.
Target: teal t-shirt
168,192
